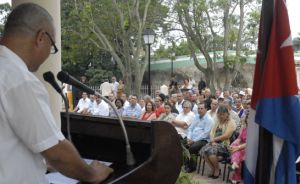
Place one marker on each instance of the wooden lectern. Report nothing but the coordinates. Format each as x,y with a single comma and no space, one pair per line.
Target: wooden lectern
155,146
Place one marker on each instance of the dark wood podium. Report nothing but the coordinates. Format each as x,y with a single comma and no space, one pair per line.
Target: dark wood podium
155,145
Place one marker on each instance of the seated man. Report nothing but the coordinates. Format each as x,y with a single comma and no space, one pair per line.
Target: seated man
125,100
83,104
184,119
134,110
92,103
198,135
100,108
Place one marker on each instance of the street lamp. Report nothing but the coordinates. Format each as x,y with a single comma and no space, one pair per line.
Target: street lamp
172,59
149,36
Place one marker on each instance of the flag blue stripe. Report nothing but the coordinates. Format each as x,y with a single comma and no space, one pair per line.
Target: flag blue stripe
248,178
281,116
286,168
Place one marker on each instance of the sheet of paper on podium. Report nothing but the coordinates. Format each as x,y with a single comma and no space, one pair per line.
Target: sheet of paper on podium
57,178
298,160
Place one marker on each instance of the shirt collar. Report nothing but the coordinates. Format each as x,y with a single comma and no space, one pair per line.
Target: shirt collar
6,52
203,116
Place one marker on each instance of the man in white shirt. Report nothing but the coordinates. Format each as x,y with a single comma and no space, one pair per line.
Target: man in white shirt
28,133
179,102
83,104
214,107
114,84
106,88
164,90
126,102
184,119
111,98
100,108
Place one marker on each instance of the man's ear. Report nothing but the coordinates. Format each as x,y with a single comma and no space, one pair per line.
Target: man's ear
39,38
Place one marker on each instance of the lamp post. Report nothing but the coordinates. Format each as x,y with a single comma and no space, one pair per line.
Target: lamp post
172,60
149,36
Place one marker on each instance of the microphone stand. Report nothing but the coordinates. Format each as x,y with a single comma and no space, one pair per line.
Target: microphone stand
66,102
129,155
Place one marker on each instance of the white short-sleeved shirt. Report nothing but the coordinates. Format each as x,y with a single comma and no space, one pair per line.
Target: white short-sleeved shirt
101,109
164,89
188,119
27,126
115,86
106,88
178,106
84,104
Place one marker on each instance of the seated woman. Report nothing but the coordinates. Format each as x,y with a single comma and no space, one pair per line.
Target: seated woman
149,113
119,105
237,150
167,115
220,139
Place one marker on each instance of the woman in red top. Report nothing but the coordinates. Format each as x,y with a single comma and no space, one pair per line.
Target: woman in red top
159,106
149,113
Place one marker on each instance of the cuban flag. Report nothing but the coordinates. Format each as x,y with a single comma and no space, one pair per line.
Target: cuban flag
273,137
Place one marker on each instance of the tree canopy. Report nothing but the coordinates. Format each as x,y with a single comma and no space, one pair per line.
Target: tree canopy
211,26
115,29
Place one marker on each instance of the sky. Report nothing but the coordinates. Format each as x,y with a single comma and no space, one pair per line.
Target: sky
294,16
293,9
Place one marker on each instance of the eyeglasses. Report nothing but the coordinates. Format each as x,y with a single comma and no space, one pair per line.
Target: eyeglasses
186,107
54,49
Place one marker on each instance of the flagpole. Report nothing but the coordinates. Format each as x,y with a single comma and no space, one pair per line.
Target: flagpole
265,148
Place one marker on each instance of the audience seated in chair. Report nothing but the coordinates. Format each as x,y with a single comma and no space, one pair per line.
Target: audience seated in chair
197,136
237,150
149,113
220,139
83,104
100,107
184,119
167,115
134,110
119,103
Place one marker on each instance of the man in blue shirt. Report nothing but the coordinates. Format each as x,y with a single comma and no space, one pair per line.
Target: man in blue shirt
198,135
134,110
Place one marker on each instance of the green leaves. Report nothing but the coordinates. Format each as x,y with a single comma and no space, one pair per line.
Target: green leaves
5,9
231,60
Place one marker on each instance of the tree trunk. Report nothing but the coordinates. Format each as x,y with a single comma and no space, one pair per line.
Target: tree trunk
227,78
237,64
127,81
209,78
226,22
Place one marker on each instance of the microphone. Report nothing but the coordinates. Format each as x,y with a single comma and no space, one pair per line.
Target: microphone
49,77
66,78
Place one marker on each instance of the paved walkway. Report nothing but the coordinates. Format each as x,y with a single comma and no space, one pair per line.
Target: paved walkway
199,179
